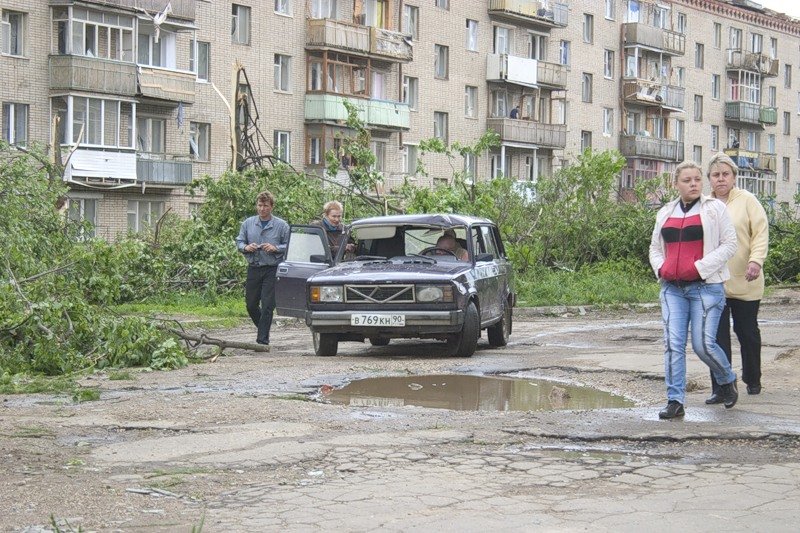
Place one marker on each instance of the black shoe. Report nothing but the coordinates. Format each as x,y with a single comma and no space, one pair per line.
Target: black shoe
754,389
716,397
729,394
265,343
673,409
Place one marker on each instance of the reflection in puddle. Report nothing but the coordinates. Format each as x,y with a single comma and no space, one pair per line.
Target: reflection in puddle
473,393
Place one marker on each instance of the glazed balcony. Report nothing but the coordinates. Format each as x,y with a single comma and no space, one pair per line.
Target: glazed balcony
379,114
654,94
756,160
355,38
531,11
99,167
163,169
667,41
645,147
744,112
769,116
739,59
91,74
181,9
525,71
165,84
529,132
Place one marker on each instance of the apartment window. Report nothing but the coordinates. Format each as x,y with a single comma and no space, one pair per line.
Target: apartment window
698,107
715,138
682,23
283,7
699,55
660,16
83,211
199,59
502,40
97,34
772,96
634,9
715,81
773,48
15,123
410,157
440,125
681,72
697,154
680,130
240,24
470,166
787,76
282,147
323,9
537,46
588,28
282,79
156,53
608,64
610,9
143,214
499,103
200,140
756,43
12,31
411,21
608,121
314,150
94,121
440,66
470,101
411,92
497,170
735,39
717,35
787,123
771,143
785,169
379,149
442,4
472,35
586,87
586,140
563,53
151,135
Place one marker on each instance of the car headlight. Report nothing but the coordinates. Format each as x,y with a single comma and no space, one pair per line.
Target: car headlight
435,293
326,293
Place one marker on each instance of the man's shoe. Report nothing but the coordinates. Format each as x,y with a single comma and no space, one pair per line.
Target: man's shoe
729,394
754,389
266,343
673,409
716,397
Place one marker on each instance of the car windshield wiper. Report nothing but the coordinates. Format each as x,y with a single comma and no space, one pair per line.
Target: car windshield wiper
421,259
372,258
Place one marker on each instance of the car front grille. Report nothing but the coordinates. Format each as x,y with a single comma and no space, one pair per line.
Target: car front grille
379,294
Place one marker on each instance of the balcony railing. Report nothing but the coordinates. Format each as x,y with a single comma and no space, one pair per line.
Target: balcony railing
182,9
512,69
391,44
739,59
529,132
746,159
383,114
91,74
769,116
165,84
650,148
359,39
109,167
744,112
668,41
546,13
551,74
654,94
160,169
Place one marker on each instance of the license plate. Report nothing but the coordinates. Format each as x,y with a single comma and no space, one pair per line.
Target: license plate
379,320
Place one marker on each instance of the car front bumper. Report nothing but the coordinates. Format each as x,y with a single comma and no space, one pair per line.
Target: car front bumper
416,322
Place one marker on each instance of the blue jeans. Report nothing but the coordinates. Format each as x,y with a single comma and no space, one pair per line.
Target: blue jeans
700,305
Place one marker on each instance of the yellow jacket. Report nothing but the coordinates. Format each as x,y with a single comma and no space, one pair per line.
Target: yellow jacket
752,232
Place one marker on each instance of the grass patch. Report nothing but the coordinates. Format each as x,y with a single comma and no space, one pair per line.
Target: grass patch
32,432
296,397
32,384
213,308
85,395
183,471
120,375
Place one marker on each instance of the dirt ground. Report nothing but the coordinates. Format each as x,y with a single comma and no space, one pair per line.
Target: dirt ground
247,443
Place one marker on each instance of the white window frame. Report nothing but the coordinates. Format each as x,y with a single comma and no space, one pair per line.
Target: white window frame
77,209
146,129
608,64
282,73
240,24
716,81
323,9
411,92
472,35
715,138
588,28
143,213
587,80
200,141
470,101
470,166
13,33
315,150
282,145
586,140
697,154
410,158
199,63
699,55
682,23
441,68
441,125
610,10
698,108
411,21
717,38
608,121
564,53
442,4
283,8
16,119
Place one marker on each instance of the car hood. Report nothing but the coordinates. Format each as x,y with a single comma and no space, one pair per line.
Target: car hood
385,271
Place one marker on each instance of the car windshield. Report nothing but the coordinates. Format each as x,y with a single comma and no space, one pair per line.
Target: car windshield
381,242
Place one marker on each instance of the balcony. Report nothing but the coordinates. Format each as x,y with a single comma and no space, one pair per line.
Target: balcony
531,11
390,44
551,74
379,114
744,112
529,132
165,84
511,69
645,147
667,41
163,170
769,116
653,94
182,9
746,159
338,35
91,74
101,167
739,59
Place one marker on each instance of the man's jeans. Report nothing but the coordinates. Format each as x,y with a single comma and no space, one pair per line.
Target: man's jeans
700,305
259,297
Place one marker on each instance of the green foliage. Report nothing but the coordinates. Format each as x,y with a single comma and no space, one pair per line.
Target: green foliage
783,260
85,395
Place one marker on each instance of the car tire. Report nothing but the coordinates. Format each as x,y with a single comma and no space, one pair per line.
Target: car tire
499,332
463,344
379,341
325,344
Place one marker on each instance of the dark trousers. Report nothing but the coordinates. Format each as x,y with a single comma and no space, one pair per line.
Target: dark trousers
259,297
745,325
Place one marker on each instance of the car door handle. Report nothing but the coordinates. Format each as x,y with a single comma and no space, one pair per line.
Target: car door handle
283,270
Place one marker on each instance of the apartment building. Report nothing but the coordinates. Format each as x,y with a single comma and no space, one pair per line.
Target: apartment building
139,97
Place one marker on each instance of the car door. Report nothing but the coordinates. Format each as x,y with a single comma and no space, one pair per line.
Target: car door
487,273
307,253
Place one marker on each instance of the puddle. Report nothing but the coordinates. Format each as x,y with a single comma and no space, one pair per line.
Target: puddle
473,393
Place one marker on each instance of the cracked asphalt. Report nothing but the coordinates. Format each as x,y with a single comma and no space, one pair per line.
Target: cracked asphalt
236,445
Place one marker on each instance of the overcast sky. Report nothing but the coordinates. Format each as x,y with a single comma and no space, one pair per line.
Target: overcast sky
790,7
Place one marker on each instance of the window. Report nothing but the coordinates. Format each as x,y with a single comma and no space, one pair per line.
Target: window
440,125
323,9
411,21
756,43
632,14
537,46
586,140
586,87
699,55
96,34
502,40
681,72
199,140
697,154
717,35
13,33
610,9
682,23
608,64
497,170
772,96
698,107
442,4
440,66
143,214
314,150
771,143
660,16
15,123
499,103
563,53
410,91
470,166
379,149
680,130
787,76
608,121
240,24
785,169
200,66
735,39
470,101
83,211
715,81
283,7
410,156
282,79
472,35
151,135
282,147
588,28
787,123
94,121
773,48
156,53
715,138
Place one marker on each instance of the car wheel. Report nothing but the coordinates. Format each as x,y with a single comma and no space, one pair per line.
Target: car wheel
464,343
325,344
379,341
498,333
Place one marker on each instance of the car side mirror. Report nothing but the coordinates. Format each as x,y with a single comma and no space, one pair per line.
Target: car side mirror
484,257
318,258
